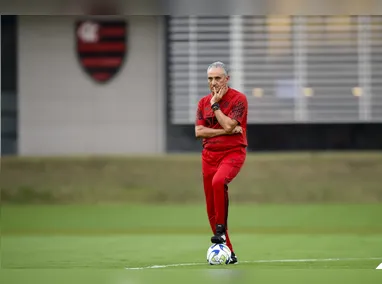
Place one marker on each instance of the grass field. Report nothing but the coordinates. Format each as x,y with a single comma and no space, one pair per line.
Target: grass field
324,224
265,178
274,243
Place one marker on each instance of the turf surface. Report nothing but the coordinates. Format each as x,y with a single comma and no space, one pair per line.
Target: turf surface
275,237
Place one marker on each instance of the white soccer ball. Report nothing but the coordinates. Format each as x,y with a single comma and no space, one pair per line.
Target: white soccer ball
218,254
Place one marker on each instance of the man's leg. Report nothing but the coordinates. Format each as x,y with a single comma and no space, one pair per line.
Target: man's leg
228,169
209,170
209,194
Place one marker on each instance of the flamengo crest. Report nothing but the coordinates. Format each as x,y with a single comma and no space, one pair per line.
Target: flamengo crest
101,46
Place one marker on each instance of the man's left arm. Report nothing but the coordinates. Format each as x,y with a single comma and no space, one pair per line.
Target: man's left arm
235,117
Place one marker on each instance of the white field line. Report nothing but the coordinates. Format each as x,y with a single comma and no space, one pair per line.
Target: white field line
258,261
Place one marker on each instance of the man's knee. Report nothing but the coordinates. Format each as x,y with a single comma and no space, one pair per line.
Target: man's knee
219,182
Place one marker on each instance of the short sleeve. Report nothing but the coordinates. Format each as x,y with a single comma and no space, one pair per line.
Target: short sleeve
239,109
199,119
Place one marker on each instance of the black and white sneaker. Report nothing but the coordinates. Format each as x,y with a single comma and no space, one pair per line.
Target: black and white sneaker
233,259
219,237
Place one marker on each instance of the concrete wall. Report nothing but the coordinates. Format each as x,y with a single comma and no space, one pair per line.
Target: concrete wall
63,111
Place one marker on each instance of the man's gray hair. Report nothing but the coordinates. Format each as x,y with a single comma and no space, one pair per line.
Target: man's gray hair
219,64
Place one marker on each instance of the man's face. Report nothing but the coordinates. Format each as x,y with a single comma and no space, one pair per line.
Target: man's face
217,79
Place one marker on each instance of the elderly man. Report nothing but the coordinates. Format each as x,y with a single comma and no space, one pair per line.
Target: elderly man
221,120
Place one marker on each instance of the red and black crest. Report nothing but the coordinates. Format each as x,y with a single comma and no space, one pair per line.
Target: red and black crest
101,47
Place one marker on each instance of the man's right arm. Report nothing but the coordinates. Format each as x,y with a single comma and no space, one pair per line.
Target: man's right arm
206,132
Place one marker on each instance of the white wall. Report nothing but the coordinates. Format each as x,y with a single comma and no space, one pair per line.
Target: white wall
63,111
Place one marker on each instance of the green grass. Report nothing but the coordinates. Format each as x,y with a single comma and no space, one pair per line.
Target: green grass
265,178
95,243
107,236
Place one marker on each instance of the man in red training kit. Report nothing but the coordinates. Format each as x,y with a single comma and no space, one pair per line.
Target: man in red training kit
221,120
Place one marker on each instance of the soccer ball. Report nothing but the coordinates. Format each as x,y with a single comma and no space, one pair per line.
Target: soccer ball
218,254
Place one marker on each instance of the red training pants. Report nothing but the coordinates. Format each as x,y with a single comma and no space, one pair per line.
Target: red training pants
219,169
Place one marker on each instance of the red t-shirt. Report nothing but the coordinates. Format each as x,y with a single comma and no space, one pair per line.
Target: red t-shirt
234,105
